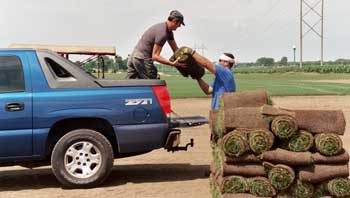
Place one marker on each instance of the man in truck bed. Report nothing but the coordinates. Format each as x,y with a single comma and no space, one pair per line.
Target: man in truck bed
148,49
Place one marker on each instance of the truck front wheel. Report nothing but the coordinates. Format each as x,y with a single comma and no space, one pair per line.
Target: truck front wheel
82,158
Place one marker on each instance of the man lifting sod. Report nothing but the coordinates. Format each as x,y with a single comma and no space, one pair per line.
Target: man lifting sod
224,80
148,49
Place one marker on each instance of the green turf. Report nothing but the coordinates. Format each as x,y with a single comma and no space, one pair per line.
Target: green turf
281,84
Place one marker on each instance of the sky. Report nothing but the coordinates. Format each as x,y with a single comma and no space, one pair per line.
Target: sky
248,28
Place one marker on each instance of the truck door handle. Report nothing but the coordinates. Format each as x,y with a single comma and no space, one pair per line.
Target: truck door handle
14,106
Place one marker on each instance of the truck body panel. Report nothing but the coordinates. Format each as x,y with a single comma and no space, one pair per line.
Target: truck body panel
129,107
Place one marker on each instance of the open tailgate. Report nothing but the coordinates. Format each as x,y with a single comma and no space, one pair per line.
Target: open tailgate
187,121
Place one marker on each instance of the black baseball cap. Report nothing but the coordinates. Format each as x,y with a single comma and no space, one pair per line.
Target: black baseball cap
175,14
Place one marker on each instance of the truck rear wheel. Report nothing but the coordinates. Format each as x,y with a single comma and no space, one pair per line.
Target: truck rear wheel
82,158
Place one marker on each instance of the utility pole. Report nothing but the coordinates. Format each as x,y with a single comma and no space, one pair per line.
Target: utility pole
294,49
318,11
301,33
322,32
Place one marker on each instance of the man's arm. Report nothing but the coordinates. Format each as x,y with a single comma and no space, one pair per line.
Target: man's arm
156,57
173,45
204,86
204,62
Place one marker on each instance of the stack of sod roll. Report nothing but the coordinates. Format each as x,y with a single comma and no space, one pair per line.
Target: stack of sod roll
193,69
260,150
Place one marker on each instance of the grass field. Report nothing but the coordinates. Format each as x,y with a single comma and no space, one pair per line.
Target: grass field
281,84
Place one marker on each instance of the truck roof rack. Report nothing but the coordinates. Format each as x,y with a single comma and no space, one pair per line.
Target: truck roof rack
70,49
95,52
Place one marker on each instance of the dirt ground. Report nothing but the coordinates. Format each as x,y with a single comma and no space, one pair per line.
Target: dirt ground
329,81
158,174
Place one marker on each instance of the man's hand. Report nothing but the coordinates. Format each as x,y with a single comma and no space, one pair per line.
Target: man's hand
176,63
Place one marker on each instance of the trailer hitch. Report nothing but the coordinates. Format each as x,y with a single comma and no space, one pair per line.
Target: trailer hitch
182,148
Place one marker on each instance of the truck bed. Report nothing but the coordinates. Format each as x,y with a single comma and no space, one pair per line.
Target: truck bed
130,82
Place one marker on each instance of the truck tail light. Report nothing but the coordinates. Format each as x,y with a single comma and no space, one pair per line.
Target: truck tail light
163,97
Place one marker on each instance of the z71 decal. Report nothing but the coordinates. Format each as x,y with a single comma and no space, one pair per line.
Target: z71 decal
141,101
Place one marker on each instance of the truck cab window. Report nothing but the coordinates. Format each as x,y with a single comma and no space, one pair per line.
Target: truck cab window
11,74
57,69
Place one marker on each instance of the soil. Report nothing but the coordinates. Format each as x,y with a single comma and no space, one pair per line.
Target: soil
157,174
329,81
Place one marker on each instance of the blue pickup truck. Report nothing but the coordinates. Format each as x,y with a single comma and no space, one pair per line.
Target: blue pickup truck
54,113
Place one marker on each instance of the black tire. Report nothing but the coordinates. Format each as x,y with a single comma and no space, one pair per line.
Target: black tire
61,155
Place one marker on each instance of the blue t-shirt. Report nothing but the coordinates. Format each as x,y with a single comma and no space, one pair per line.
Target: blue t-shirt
224,81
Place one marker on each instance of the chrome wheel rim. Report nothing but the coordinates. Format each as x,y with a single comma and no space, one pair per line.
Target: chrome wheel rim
82,160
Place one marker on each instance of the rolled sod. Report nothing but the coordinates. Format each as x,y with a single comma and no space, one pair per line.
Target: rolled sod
214,188
246,158
235,143
213,114
284,126
341,158
180,53
260,186
280,176
212,168
193,68
219,127
321,173
328,144
321,190
301,189
321,121
339,187
239,195
247,170
260,141
281,156
314,121
233,184
254,98
283,194
273,111
218,161
301,141
241,117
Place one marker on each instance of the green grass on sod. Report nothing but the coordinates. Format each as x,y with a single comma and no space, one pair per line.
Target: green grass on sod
280,84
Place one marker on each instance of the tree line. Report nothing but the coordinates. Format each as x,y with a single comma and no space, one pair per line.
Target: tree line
269,62
113,65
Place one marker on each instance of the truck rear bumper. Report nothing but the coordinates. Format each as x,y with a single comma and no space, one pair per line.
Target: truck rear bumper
142,137
147,137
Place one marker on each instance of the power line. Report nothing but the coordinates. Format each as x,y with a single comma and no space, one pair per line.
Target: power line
244,35
271,8
268,27
282,27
